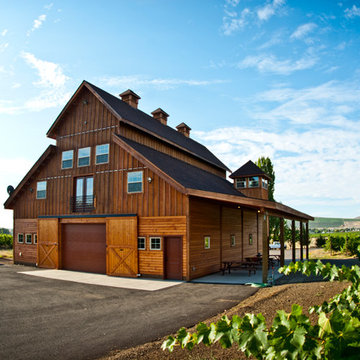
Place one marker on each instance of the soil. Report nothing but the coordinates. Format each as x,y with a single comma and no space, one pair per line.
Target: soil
266,301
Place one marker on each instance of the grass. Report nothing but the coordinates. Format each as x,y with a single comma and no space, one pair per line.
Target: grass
6,254
320,254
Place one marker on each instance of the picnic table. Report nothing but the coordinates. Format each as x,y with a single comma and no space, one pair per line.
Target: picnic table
248,265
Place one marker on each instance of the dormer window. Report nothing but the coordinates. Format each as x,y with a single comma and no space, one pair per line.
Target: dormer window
264,183
253,181
240,183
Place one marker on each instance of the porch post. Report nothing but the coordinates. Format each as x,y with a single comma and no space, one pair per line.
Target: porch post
265,248
293,241
301,241
282,249
307,239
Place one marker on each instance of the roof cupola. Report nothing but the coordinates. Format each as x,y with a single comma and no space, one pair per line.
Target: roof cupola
130,98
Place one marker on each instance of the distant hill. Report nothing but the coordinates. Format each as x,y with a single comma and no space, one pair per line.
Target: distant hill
358,218
323,222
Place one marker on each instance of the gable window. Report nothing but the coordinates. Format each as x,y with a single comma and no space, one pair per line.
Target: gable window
240,183
84,194
253,181
35,238
155,243
141,243
41,190
134,182
102,154
264,183
67,159
28,239
20,238
84,157
206,242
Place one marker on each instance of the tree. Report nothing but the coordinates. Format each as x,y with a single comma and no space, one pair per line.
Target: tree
265,164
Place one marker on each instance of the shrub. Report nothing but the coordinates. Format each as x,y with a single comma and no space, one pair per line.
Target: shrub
320,241
6,241
335,243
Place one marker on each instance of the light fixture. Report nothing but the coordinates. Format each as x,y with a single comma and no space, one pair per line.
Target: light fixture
149,179
85,102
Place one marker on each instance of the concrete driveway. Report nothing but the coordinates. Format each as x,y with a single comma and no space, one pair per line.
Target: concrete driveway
44,318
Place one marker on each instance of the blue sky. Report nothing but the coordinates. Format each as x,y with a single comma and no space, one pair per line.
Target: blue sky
251,78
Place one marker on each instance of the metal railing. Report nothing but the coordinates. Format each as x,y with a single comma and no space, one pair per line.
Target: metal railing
82,203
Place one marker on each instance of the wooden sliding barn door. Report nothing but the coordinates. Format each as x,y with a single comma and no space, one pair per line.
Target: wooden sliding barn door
48,243
122,251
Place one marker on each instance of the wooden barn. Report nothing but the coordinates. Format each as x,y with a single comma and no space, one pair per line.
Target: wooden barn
122,193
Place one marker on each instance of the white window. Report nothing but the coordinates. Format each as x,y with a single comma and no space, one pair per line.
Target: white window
84,157
20,238
35,238
155,243
41,190
102,154
28,239
141,243
134,182
67,159
253,181
264,183
240,183
206,242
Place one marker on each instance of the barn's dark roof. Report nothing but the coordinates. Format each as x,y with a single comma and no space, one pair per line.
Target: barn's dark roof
248,169
187,175
149,124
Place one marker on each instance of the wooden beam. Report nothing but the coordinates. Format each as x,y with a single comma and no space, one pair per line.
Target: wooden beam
293,241
265,248
282,249
307,239
301,242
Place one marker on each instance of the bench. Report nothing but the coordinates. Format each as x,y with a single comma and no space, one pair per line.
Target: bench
248,265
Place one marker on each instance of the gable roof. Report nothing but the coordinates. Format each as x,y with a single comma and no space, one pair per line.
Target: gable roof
249,169
137,118
184,174
47,153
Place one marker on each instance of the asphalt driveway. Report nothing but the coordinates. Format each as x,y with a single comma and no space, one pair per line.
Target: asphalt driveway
52,319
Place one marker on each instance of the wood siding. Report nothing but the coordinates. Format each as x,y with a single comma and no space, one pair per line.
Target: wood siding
231,225
25,253
49,244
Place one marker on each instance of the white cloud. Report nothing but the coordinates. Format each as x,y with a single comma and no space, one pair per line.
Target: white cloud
4,32
303,30
48,6
233,3
37,23
267,11
352,12
269,63
138,80
3,47
232,22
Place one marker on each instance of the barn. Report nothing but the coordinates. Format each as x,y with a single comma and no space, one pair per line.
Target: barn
122,193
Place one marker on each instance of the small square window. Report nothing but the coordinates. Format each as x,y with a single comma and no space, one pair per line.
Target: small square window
20,238
232,240
141,243
155,243
102,154
207,242
84,157
41,190
35,238
28,239
135,182
240,183
253,181
67,159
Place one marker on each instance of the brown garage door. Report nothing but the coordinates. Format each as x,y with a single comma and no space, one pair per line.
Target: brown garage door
84,247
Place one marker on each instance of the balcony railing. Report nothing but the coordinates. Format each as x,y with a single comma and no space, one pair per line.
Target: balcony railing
82,203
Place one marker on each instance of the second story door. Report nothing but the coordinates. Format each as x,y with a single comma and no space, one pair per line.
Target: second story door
84,194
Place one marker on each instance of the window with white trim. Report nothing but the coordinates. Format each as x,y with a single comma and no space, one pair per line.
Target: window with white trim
155,243
102,154
41,190
84,157
206,242
134,182
264,183
142,243
20,238
67,159
240,183
35,238
28,239
253,181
